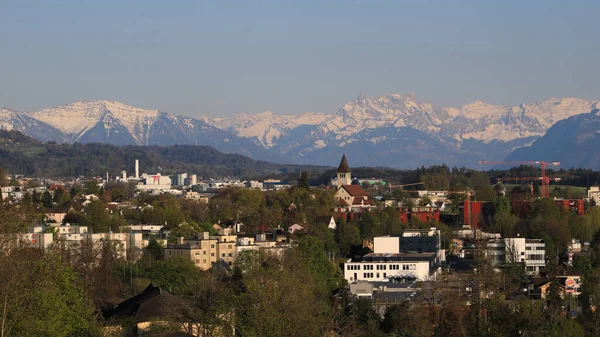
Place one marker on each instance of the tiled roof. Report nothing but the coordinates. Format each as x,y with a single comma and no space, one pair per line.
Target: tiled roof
362,201
341,202
355,190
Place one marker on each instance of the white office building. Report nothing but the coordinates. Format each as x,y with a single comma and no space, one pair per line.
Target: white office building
530,252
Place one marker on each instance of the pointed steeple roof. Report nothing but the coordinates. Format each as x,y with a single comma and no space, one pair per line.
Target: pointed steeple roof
344,167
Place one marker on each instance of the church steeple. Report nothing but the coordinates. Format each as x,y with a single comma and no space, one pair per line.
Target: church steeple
344,176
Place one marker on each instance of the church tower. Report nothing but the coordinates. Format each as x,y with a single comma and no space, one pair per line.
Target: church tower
343,173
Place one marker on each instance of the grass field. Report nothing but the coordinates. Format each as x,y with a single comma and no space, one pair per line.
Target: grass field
576,192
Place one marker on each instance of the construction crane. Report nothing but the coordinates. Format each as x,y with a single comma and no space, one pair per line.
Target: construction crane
545,190
403,185
469,192
528,179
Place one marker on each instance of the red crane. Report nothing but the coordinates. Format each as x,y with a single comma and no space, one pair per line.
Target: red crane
545,191
528,179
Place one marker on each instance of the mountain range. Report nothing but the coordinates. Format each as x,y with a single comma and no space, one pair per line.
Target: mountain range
390,130
574,142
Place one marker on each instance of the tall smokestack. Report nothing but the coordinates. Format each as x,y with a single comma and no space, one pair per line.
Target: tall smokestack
137,169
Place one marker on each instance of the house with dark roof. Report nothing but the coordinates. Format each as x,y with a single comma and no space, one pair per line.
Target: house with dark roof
327,220
153,305
350,198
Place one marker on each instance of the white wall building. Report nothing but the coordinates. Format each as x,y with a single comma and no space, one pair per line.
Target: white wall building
154,182
530,252
382,267
594,194
393,257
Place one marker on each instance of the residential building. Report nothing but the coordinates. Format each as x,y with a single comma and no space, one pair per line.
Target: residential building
205,250
326,220
411,241
578,205
594,194
55,216
423,214
261,243
153,305
530,252
144,228
275,184
414,255
181,179
383,267
195,196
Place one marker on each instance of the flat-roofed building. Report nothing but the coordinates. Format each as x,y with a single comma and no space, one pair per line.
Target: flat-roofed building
205,250
383,267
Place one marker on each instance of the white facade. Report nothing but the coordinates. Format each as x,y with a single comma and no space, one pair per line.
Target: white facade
594,194
37,240
181,179
145,228
530,252
386,245
154,182
382,271
68,229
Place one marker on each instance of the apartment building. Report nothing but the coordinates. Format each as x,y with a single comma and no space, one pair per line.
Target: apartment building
205,250
530,252
415,254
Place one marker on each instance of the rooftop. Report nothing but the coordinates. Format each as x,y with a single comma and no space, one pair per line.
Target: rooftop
344,167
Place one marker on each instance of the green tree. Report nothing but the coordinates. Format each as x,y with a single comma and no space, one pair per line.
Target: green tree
175,274
346,236
41,297
47,200
279,298
304,180
155,249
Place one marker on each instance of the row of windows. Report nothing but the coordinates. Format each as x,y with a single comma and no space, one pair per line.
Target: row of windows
538,257
370,275
382,267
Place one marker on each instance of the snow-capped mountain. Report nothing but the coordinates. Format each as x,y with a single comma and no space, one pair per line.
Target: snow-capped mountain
392,130
464,135
13,120
573,142
119,124
102,121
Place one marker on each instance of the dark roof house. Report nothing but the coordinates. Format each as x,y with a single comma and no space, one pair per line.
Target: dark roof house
152,303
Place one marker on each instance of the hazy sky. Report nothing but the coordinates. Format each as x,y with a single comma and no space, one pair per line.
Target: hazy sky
224,57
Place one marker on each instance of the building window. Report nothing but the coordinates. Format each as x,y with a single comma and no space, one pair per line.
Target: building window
212,254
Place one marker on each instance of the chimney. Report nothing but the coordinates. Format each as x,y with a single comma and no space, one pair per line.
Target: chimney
137,169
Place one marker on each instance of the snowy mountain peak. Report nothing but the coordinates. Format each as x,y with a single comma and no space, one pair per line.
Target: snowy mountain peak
394,123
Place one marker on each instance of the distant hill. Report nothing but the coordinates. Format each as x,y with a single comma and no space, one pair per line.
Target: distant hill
575,142
20,154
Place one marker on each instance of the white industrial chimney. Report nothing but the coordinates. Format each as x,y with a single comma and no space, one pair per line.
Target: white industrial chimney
137,169
124,175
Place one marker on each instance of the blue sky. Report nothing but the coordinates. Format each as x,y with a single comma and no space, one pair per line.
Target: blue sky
224,57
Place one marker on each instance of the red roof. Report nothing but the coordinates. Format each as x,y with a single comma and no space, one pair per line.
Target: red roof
341,202
362,201
355,190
